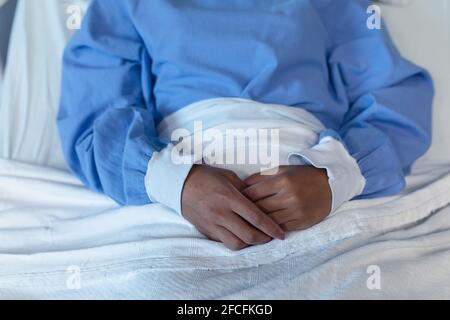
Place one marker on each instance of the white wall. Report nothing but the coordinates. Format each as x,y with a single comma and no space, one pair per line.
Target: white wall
422,32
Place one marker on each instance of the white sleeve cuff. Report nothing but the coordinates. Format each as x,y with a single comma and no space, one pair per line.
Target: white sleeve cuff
344,174
166,174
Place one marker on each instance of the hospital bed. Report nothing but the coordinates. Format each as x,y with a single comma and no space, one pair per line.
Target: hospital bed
60,240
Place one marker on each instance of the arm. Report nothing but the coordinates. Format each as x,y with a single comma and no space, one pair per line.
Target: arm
106,117
107,127
388,125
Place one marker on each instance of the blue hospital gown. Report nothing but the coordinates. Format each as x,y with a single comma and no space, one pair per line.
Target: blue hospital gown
134,62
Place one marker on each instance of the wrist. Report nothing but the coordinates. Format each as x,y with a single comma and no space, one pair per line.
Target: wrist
344,176
165,178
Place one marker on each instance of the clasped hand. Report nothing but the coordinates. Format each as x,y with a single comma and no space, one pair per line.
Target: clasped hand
255,211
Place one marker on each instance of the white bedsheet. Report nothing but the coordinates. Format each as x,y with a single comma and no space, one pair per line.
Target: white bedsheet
49,223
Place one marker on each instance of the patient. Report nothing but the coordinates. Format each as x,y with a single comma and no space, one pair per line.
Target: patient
136,63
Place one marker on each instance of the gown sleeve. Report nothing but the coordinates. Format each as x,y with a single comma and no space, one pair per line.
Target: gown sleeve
107,115
388,123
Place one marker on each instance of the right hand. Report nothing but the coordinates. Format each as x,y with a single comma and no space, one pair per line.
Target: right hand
212,201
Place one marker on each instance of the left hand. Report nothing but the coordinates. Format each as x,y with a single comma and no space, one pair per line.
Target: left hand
296,197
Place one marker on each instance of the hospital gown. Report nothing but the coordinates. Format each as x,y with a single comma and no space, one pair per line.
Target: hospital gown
135,62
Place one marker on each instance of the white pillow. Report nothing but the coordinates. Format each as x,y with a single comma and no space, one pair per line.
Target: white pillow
32,80
30,99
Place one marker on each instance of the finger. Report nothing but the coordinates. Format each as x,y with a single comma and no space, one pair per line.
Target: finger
282,216
298,225
221,234
252,214
230,240
235,180
261,190
272,203
256,178
206,232
264,175
243,230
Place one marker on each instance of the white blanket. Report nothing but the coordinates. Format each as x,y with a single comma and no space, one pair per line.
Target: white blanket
51,227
